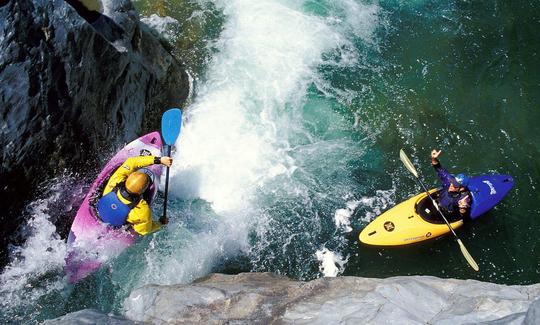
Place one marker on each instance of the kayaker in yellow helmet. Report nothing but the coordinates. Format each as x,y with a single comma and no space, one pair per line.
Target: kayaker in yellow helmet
122,201
454,199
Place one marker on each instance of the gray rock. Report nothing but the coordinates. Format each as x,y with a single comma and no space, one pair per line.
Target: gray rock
89,317
74,82
514,319
262,298
253,297
533,314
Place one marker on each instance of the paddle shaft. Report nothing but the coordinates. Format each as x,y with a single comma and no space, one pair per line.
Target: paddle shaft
166,184
437,207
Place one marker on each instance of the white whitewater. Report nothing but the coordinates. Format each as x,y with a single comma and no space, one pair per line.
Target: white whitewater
244,140
245,130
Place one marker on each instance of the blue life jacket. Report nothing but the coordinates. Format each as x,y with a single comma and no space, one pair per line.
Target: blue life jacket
113,211
449,201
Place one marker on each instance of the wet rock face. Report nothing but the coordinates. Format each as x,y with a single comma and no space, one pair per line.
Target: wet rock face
263,298
74,83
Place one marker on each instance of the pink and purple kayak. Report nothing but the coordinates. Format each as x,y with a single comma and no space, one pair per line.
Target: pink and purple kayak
92,242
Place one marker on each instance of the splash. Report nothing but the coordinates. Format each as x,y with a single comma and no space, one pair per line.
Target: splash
36,266
167,27
375,205
235,141
248,148
235,132
331,263
342,216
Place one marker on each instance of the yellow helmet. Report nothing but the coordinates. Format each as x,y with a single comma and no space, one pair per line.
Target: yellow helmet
137,183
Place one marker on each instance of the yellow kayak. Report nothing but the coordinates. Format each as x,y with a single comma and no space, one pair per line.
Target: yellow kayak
411,221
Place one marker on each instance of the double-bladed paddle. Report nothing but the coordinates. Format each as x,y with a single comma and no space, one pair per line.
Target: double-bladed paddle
171,123
464,251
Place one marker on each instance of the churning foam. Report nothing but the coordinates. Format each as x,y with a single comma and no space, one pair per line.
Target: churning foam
235,134
342,216
165,26
230,140
331,263
235,138
375,205
33,264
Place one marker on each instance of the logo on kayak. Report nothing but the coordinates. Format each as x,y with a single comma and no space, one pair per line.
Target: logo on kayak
428,235
492,190
113,206
145,152
389,226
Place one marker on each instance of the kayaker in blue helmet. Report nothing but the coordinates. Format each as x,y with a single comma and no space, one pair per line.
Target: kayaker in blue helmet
454,199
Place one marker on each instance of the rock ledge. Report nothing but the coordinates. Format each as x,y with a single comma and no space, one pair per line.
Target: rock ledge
265,298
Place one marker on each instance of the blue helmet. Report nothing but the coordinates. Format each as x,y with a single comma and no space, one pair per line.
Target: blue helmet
462,179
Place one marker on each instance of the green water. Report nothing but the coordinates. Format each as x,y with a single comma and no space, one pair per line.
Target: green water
456,75
461,76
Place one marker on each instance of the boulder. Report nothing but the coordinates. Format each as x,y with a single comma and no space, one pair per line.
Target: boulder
533,314
263,298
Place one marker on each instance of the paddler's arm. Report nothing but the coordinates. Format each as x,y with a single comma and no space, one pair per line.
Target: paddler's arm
443,174
131,164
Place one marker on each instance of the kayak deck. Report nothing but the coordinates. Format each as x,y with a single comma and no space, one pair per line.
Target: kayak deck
416,219
403,225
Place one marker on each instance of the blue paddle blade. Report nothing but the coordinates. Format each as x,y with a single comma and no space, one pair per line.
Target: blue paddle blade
171,123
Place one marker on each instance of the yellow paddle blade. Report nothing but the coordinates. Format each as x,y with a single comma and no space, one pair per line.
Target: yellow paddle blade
468,256
407,162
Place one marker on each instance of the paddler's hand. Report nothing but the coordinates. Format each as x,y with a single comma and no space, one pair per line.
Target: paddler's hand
164,220
434,156
167,161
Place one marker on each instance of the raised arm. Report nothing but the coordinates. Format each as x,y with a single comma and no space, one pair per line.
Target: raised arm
443,174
